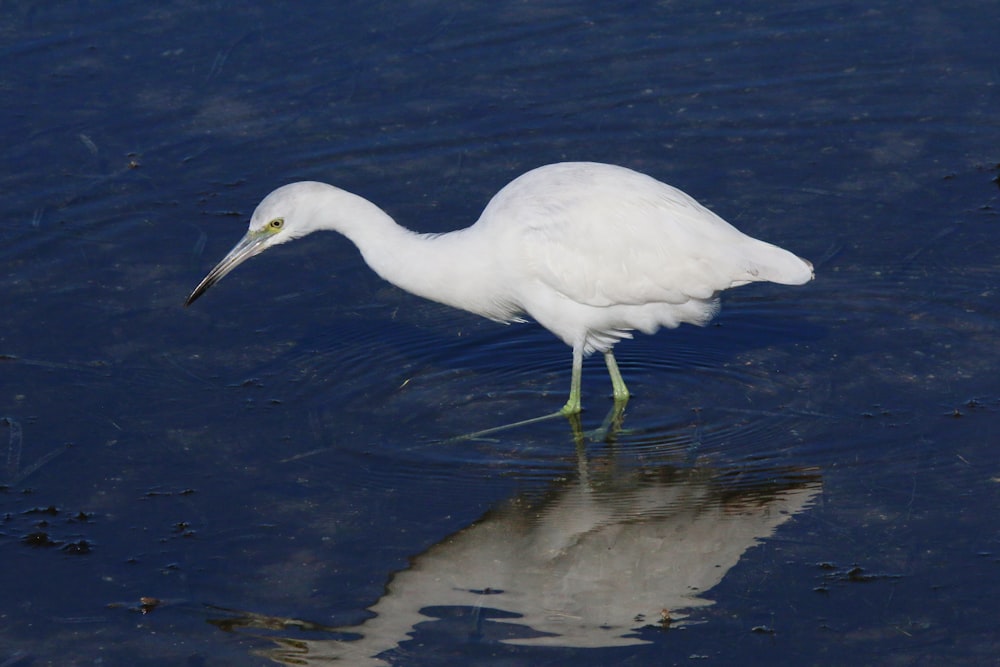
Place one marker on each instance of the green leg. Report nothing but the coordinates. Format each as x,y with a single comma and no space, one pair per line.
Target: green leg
612,422
618,388
572,406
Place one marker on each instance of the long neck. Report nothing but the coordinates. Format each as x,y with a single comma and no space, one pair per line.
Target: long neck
456,268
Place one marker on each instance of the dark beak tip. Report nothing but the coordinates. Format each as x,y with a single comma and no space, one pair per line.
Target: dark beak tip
250,245
194,296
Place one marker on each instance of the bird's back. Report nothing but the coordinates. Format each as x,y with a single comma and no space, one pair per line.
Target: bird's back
603,236
607,235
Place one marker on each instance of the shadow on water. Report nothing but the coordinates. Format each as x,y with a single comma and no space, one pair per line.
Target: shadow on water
586,562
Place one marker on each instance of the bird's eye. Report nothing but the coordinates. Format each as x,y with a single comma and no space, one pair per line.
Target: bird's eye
276,224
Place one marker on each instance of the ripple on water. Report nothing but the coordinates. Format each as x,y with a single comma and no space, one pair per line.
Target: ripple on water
397,389
392,381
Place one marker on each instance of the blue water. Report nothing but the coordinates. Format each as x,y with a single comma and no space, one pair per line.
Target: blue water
268,476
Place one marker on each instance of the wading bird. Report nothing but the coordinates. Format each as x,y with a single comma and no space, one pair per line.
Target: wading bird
590,251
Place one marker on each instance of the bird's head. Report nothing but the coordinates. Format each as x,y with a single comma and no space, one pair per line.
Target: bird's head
285,214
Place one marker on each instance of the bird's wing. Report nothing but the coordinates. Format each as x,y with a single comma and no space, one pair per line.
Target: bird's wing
604,249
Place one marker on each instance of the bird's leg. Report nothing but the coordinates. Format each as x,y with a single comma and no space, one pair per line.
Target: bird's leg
572,406
618,388
612,423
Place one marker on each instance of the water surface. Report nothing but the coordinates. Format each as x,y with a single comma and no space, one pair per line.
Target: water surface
267,476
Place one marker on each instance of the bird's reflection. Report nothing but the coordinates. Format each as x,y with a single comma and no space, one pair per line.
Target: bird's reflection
584,564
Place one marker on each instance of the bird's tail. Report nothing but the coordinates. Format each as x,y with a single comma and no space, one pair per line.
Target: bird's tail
777,265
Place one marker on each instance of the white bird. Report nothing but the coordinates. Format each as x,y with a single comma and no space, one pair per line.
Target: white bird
590,251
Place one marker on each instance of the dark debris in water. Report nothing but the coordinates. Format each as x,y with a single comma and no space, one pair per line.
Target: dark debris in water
183,529
877,411
968,407
39,539
156,493
78,548
854,574
146,605
43,528
234,620
48,511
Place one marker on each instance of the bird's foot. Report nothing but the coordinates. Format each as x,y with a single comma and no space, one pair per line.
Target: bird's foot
571,408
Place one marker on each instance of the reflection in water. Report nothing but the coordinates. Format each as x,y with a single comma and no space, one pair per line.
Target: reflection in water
582,565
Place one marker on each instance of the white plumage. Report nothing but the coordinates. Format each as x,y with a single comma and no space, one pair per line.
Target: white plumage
590,251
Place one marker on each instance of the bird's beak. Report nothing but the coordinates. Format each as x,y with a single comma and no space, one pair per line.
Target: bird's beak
253,243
